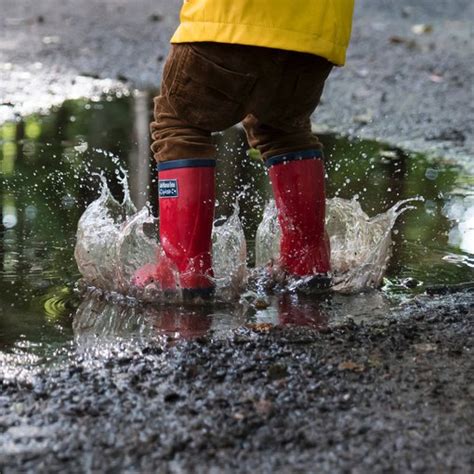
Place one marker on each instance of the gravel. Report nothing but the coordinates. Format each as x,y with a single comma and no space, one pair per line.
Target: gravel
392,396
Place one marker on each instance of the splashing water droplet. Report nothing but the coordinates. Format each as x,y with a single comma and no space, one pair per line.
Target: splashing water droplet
97,232
229,254
114,242
267,239
360,246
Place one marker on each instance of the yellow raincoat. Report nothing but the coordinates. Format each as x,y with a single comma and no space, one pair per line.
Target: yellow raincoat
321,27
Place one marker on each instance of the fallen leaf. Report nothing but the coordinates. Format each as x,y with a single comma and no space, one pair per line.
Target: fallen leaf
350,365
259,327
261,303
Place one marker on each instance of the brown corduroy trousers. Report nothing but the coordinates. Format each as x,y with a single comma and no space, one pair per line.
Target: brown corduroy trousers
208,87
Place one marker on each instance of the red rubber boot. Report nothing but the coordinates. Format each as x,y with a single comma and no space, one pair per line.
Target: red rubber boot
186,202
298,186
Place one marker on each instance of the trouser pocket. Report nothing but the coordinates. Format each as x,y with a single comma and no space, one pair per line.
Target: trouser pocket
205,94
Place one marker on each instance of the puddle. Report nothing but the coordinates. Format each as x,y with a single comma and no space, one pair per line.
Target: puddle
47,165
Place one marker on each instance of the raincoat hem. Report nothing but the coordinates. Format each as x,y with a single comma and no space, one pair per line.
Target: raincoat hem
196,31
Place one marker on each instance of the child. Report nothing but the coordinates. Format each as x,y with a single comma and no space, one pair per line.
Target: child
264,63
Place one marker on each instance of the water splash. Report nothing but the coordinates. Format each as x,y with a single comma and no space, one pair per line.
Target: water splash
113,241
102,238
267,238
360,246
99,322
229,254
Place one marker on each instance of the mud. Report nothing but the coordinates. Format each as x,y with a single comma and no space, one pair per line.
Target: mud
406,88
393,396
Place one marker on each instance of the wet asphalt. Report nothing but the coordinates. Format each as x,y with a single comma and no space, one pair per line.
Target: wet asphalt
389,396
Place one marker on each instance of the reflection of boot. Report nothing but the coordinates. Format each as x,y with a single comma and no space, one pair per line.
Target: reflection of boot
298,186
186,202
187,325
98,320
300,314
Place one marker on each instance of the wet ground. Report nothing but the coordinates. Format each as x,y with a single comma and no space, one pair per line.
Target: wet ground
396,396
376,381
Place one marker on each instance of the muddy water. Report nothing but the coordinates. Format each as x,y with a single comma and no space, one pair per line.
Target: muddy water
47,165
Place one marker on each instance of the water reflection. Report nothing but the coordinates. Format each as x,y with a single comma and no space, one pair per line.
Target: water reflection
322,311
46,181
99,318
293,310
